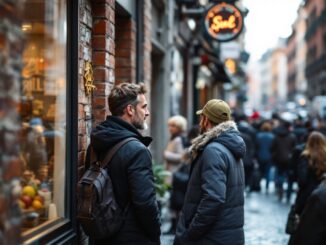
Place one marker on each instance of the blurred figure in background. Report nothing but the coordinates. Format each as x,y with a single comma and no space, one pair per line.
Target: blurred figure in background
264,140
282,149
311,167
248,133
180,178
311,200
312,226
176,146
173,155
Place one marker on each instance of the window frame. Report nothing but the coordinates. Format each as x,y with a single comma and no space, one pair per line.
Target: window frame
63,230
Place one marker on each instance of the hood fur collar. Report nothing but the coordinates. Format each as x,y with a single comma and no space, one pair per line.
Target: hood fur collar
202,140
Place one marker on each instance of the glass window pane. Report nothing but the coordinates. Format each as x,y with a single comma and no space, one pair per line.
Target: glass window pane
43,112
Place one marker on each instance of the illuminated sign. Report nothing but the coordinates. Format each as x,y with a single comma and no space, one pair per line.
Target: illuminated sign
231,65
223,22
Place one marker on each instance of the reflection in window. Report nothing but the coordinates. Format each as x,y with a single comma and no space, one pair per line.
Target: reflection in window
43,112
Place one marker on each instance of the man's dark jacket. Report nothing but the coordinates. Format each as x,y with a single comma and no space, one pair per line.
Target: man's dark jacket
213,212
132,178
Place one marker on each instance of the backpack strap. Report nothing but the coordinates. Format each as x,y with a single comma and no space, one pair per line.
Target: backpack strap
112,151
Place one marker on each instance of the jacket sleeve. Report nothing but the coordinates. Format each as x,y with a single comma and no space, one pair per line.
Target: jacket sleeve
302,169
143,196
213,178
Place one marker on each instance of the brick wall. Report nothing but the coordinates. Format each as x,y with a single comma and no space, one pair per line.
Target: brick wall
125,56
11,48
85,54
96,44
103,55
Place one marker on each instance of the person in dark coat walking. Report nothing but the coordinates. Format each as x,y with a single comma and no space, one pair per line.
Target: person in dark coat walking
264,140
131,167
213,211
312,225
311,166
282,149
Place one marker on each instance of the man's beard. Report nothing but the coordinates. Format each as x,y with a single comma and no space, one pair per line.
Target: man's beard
141,125
202,130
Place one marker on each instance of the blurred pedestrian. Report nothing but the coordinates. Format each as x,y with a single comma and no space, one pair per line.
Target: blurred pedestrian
264,140
173,156
311,166
312,225
175,148
213,212
248,133
282,149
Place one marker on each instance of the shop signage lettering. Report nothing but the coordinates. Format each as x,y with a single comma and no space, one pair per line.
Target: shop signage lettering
219,23
223,22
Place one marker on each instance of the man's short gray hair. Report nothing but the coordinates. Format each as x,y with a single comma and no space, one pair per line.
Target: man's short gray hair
124,94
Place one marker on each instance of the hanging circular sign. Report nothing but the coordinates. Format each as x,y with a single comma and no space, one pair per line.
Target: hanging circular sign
223,22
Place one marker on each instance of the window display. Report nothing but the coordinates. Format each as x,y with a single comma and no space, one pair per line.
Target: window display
43,112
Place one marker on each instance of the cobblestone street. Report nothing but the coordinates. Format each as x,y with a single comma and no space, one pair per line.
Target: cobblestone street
265,219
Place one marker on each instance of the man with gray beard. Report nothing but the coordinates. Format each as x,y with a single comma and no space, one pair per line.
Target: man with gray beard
131,167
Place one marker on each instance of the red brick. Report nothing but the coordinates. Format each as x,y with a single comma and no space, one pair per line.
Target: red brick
100,114
99,58
99,102
81,111
81,158
126,44
81,127
123,72
82,142
123,62
100,27
99,42
101,10
124,53
101,74
102,89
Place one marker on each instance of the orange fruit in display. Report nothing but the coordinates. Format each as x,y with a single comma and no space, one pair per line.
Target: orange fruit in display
29,191
37,204
39,198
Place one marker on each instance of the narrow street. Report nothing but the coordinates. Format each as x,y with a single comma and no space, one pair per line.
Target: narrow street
265,219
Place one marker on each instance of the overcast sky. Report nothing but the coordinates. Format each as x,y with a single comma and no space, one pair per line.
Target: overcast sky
266,21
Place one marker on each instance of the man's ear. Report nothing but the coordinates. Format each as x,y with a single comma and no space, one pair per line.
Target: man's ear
130,110
206,121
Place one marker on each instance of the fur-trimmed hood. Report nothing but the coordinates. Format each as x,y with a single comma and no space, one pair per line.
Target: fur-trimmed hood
225,133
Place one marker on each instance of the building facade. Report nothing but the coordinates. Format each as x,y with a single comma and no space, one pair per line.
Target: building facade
316,47
296,56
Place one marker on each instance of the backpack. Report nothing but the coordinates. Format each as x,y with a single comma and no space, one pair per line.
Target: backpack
97,209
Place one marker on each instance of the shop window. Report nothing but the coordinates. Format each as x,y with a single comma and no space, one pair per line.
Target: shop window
43,113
